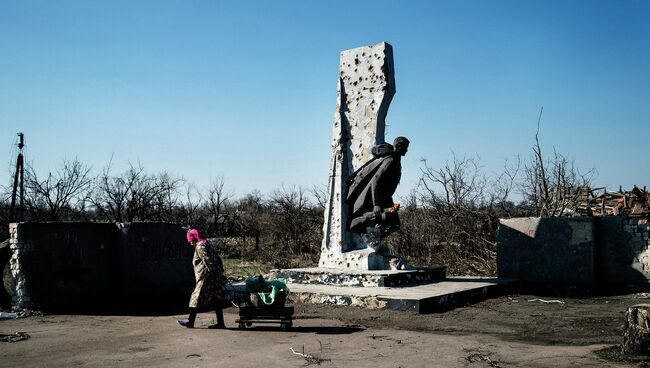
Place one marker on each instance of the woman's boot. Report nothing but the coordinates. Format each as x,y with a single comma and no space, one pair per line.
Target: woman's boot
189,323
220,323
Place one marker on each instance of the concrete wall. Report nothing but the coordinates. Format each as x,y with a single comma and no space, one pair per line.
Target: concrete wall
547,249
155,260
623,249
81,263
574,250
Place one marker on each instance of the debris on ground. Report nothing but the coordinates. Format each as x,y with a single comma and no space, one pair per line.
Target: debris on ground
311,359
546,301
15,337
15,312
8,315
614,354
477,357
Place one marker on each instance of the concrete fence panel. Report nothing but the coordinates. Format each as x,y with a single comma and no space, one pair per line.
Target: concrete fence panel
547,249
77,264
155,260
574,250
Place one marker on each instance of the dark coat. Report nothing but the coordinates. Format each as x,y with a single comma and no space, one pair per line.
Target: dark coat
374,185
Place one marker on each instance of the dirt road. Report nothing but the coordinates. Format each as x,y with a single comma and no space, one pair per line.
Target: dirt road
509,331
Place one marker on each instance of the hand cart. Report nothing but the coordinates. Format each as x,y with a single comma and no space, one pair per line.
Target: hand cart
253,310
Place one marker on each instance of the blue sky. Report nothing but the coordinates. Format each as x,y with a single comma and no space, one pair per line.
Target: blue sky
247,89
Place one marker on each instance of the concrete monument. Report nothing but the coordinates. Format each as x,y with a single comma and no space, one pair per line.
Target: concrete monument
354,266
364,170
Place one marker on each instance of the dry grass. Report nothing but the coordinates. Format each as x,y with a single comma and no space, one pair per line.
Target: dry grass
238,268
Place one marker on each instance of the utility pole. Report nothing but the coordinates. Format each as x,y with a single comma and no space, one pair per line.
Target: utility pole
18,216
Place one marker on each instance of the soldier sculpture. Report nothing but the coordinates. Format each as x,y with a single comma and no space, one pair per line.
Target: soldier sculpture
371,189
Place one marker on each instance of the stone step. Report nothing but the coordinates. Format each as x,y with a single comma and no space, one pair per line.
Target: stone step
346,277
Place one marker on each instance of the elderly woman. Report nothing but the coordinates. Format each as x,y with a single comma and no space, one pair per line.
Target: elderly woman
210,281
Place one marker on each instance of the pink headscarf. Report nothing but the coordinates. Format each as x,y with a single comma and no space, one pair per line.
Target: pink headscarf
193,235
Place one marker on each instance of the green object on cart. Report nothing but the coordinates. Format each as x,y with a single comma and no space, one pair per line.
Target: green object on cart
267,290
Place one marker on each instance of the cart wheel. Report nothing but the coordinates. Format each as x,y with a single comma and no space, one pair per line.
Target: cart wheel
242,325
286,326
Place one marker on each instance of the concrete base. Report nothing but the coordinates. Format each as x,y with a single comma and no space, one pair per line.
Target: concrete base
426,298
361,278
362,259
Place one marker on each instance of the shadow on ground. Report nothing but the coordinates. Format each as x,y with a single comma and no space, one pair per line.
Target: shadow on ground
319,330
153,308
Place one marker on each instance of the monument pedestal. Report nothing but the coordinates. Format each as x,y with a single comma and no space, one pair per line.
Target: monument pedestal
361,278
423,290
362,259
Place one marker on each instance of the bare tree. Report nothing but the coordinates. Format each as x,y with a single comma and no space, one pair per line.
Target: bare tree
296,223
134,195
217,200
553,186
450,219
250,216
504,185
114,194
5,211
319,192
165,198
61,195
460,181
190,208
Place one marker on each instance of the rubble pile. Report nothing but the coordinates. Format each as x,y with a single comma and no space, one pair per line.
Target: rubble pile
633,203
16,312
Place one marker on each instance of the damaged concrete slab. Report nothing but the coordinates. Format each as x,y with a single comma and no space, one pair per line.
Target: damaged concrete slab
419,298
345,277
